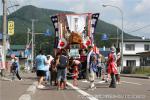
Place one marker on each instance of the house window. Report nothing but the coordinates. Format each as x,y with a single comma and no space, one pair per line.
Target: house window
147,47
131,63
130,47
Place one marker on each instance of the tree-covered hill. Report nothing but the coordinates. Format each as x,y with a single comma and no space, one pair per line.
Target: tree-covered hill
23,16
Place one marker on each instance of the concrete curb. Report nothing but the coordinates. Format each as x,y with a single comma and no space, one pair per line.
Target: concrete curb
30,91
143,77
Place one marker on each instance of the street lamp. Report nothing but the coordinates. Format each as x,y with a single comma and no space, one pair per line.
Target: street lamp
122,30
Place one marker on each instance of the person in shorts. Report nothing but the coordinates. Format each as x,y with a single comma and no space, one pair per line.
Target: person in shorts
41,62
62,63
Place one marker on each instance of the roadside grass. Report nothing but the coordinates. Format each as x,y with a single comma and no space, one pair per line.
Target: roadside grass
142,70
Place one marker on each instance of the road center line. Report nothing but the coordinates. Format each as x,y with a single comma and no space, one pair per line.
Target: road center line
131,83
85,94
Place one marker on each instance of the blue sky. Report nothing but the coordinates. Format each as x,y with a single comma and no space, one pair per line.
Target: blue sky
136,12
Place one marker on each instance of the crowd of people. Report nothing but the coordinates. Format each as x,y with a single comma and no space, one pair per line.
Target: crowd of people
91,65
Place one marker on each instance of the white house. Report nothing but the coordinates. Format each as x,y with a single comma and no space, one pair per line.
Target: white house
132,49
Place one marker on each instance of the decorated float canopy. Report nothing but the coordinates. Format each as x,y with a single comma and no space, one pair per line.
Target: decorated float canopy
74,29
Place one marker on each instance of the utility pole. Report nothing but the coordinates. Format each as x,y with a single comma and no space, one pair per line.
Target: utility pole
117,38
4,32
28,37
33,41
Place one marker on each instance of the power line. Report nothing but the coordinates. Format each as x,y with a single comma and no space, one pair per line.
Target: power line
11,4
139,29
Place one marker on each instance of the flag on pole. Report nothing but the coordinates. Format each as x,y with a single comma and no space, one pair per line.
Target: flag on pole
48,33
104,37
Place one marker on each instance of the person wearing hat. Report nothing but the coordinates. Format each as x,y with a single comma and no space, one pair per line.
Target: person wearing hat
112,67
15,68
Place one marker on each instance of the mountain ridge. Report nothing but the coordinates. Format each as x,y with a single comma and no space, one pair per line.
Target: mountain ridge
23,16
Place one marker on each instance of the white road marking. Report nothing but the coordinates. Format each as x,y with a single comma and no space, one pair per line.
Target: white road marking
25,97
85,81
131,83
85,94
94,82
101,82
30,91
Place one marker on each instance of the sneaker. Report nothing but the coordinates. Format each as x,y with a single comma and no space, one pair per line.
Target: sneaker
117,82
21,80
92,85
92,88
38,86
41,87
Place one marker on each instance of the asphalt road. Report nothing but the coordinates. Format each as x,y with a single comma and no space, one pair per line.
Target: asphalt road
12,90
129,89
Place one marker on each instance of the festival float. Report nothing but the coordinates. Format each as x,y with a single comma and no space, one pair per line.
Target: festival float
74,32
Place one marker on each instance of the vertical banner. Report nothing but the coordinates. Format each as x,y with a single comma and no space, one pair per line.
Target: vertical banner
93,25
11,27
54,20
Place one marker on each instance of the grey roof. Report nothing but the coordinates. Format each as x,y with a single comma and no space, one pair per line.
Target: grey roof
144,53
131,54
136,40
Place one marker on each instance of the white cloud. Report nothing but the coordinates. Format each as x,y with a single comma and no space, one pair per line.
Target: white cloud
78,8
137,28
136,12
131,27
118,3
23,2
1,7
143,6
